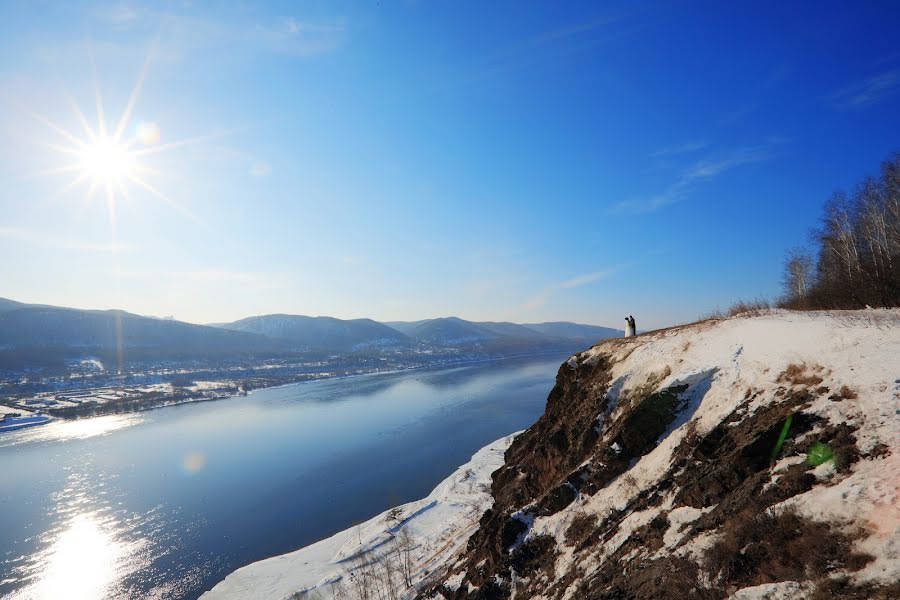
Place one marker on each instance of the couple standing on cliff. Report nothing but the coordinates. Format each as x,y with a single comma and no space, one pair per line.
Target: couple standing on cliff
630,328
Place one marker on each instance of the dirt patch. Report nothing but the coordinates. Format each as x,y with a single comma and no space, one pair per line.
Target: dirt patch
757,548
537,554
580,528
843,588
845,393
800,375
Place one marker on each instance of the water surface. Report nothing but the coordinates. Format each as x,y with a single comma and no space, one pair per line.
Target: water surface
165,503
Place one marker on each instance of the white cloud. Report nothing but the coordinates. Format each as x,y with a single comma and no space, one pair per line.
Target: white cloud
587,278
542,297
678,149
867,92
698,172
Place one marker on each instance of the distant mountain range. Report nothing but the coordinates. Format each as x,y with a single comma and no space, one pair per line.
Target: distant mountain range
453,330
30,331
35,335
336,334
322,333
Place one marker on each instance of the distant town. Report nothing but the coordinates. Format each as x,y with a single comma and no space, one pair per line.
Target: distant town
89,388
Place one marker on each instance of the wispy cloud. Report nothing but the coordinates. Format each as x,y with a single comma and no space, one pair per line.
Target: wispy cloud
865,93
589,26
555,44
296,36
678,149
587,278
541,298
698,172
43,240
184,28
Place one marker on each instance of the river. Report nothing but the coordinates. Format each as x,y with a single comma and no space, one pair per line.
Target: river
165,503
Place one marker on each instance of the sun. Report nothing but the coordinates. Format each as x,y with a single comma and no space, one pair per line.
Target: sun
107,162
111,159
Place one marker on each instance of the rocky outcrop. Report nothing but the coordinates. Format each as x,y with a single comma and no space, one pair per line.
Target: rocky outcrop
751,457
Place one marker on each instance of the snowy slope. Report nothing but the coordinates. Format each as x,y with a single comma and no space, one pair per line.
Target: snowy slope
437,525
747,458
585,507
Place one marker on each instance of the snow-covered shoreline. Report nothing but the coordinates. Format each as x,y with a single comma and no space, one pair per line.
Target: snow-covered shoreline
436,524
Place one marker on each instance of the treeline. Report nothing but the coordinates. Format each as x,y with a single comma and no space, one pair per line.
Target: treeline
854,261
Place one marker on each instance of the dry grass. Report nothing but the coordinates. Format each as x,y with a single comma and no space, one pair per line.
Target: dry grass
845,589
780,546
797,374
746,308
580,529
846,393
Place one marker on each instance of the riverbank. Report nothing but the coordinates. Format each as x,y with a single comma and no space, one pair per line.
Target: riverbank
141,398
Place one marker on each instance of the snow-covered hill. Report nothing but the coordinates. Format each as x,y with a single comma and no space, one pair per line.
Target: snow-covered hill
747,458
752,457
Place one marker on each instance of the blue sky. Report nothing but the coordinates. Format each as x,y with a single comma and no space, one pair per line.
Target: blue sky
404,160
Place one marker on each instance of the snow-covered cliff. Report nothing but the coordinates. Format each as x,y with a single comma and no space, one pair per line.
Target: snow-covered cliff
746,458
751,457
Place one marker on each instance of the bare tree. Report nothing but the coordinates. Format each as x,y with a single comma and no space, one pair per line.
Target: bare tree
857,259
403,550
360,578
798,275
388,570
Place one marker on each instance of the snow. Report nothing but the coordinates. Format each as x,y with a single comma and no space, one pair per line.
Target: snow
439,526
720,360
678,519
785,590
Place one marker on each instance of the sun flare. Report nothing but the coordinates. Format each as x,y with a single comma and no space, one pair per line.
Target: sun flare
105,161
111,160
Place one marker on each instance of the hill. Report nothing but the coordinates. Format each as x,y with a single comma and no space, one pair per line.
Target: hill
574,331
453,330
742,458
322,332
43,334
450,331
33,335
7,305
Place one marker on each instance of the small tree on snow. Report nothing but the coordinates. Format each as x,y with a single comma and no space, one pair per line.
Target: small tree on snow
404,550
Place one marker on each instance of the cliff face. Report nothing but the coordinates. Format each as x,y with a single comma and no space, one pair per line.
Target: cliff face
753,457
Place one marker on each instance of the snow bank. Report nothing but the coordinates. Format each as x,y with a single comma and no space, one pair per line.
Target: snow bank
439,526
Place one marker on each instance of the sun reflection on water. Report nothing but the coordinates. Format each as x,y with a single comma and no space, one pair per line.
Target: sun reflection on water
77,429
82,562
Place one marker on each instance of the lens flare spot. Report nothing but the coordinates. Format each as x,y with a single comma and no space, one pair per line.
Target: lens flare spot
148,134
194,462
819,453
